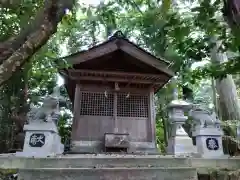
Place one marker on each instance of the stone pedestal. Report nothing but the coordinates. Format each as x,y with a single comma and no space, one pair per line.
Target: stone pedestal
179,143
208,133
41,140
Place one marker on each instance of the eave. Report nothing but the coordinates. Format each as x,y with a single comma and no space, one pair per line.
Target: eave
126,46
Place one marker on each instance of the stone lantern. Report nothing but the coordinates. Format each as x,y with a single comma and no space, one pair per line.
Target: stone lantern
179,143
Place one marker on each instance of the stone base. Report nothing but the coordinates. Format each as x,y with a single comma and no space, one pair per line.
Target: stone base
98,147
181,145
41,140
52,145
209,152
95,160
92,161
110,174
35,154
92,167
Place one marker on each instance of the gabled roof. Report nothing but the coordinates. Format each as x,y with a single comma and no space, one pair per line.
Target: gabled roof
119,42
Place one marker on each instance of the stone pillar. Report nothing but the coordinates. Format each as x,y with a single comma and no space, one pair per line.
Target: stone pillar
208,133
179,143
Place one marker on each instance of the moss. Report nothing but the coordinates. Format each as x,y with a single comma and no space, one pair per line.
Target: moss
219,174
229,131
6,173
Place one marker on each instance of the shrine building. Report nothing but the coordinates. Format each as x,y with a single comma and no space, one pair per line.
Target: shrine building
112,86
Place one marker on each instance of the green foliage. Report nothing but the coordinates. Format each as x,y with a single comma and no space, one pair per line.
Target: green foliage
34,80
15,18
12,103
64,127
160,135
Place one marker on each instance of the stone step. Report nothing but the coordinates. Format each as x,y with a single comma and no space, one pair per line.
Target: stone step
91,161
180,173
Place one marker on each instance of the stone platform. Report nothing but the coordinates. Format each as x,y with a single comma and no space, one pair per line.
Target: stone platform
113,167
110,174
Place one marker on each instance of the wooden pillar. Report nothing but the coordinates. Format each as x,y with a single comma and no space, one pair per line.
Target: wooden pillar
151,124
76,111
115,113
115,109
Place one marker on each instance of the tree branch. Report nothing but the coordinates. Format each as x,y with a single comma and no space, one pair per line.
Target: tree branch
17,50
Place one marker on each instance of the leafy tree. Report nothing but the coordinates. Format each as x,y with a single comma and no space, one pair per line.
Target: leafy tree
18,48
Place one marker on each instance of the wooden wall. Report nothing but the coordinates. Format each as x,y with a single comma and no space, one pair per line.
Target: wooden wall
93,127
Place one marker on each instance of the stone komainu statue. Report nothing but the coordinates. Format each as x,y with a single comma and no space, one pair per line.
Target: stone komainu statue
204,118
48,111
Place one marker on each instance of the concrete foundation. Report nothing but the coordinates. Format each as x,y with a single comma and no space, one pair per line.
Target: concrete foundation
110,174
114,167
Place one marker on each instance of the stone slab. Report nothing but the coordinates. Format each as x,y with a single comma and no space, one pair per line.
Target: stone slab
87,147
216,163
10,161
212,131
110,174
41,126
93,161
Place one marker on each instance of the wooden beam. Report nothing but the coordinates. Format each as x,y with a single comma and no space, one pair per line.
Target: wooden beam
132,80
94,78
117,73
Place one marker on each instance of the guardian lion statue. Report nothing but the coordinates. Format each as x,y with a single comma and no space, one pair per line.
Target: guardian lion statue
204,118
47,112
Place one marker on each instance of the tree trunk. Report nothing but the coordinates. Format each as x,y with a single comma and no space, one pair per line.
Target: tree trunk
214,96
226,89
23,111
17,50
231,13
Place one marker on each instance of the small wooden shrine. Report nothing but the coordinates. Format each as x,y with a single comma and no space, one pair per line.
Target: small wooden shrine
112,86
